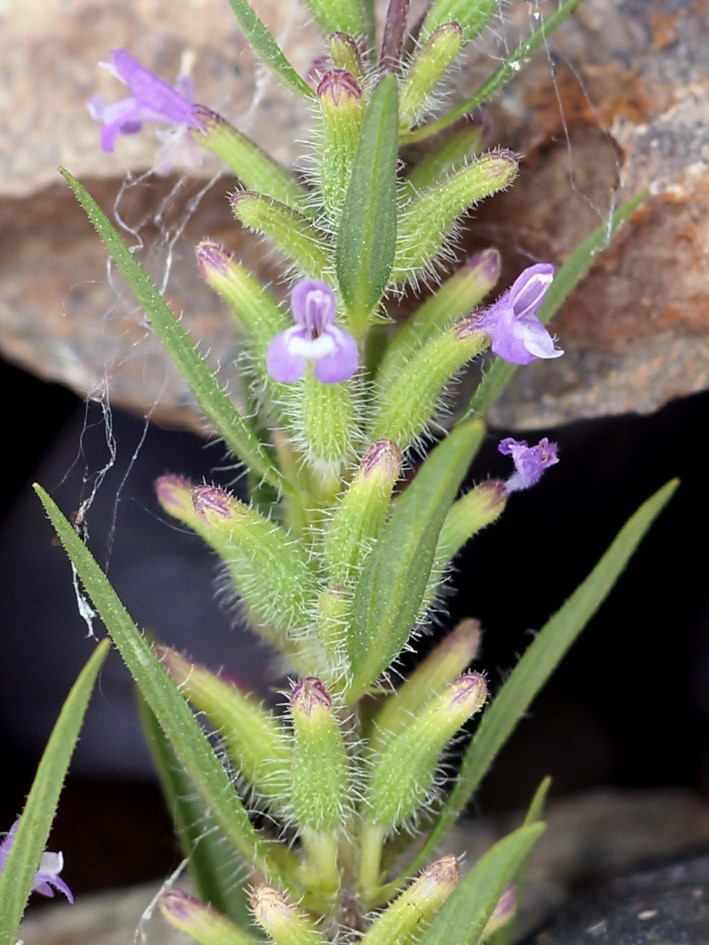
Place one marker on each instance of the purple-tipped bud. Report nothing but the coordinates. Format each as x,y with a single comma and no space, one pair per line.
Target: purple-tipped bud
443,874
271,908
212,502
211,257
488,263
310,696
338,88
174,493
493,492
469,691
467,327
382,458
198,920
346,53
317,70
530,461
502,913
179,905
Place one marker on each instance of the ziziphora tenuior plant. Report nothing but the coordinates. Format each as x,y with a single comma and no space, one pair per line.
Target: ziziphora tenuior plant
318,821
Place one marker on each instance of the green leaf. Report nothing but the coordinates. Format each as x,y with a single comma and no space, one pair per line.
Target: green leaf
534,815
471,15
238,435
188,740
344,16
211,859
395,576
539,661
266,47
31,838
500,373
463,916
508,70
367,235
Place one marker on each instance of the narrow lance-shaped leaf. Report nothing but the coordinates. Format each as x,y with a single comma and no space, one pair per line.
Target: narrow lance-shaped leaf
395,576
266,47
30,840
535,811
188,741
367,234
565,281
508,70
211,860
539,661
345,16
238,435
464,915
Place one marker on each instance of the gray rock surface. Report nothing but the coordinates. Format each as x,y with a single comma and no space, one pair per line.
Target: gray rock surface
587,838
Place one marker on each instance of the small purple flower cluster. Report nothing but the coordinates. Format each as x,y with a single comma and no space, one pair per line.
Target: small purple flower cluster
47,877
153,100
516,333
530,461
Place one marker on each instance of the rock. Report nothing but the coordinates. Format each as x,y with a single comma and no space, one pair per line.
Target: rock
587,837
665,905
624,109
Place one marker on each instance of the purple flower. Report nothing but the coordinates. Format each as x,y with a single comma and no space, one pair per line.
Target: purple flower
530,461
46,879
150,99
314,337
517,334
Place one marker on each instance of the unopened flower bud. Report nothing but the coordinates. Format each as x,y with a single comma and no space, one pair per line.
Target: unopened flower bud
459,294
270,572
342,112
472,15
213,504
257,314
408,405
503,912
174,493
467,516
254,738
345,54
319,774
203,924
338,89
427,221
443,664
290,230
254,167
403,772
406,918
427,68
362,511
282,920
